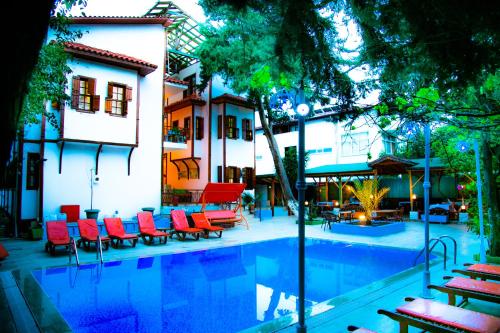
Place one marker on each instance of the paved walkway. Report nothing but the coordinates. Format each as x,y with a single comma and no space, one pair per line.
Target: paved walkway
358,307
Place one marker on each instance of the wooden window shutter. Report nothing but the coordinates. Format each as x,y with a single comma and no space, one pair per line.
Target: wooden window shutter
243,129
238,175
219,127
128,94
219,174
75,92
125,109
96,100
91,86
108,105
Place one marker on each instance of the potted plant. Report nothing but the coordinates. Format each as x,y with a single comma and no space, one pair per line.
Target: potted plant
248,201
92,213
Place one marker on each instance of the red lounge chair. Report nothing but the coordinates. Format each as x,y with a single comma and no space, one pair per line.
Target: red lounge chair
224,194
438,317
116,232
148,230
88,234
57,235
201,222
3,252
181,225
470,288
481,271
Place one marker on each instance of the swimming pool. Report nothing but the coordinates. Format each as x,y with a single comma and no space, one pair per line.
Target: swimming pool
220,290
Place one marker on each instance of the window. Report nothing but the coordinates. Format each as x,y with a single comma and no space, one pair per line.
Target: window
187,127
175,124
355,144
33,171
389,143
118,97
232,132
191,80
83,97
249,178
232,174
219,127
199,128
246,129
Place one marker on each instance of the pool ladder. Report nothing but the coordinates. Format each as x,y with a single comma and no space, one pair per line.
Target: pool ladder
432,244
73,250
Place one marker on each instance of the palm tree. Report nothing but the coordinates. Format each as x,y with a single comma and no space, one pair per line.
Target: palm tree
369,196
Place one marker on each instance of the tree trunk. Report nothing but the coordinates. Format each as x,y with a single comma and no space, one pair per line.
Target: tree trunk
278,163
491,194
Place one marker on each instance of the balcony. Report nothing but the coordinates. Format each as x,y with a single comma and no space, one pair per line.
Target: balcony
174,139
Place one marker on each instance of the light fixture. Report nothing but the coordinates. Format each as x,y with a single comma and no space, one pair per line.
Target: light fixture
306,203
462,207
414,196
303,109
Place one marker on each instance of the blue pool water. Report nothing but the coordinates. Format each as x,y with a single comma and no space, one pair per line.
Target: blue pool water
219,290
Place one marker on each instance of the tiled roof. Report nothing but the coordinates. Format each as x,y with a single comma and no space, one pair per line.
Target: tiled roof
120,20
117,59
233,99
172,79
187,101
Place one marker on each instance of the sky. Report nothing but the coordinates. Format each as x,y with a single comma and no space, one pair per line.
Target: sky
136,8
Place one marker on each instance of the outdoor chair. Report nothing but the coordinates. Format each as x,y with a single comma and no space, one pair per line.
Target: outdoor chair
201,222
3,252
181,225
147,229
72,212
439,317
329,218
88,234
115,230
356,329
480,271
57,235
469,288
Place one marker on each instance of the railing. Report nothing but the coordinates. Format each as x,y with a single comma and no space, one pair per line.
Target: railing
432,244
99,249
73,250
175,134
173,197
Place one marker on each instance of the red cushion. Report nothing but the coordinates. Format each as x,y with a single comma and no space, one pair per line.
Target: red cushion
451,315
200,221
179,219
474,285
3,252
114,226
485,268
72,212
222,192
88,229
57,232
146,223
220,214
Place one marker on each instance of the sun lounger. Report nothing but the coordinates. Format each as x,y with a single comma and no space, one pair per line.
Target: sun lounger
480,271
147,229
356,329
181,225
89,232
72,212
438,317
201,222
470,288
3,252
57,235
116,232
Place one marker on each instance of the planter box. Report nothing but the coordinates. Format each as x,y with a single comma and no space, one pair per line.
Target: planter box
463,217
368,230
436,218
414,216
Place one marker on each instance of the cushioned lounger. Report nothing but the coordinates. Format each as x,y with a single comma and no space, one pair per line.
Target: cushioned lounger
470,288
89,232
201,222
147,229
438,317
181,225
356,329
116,232
481,271
57,235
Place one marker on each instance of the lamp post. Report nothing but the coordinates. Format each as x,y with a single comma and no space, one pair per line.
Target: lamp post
302,110
463,147
287,102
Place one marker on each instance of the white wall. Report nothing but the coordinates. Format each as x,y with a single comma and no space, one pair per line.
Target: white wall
116,190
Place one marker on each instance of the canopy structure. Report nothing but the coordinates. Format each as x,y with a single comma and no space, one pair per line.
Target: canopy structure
220,193
183,36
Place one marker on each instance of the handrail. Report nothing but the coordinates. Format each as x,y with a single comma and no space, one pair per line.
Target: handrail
99,248
436,241
73,250
454,247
